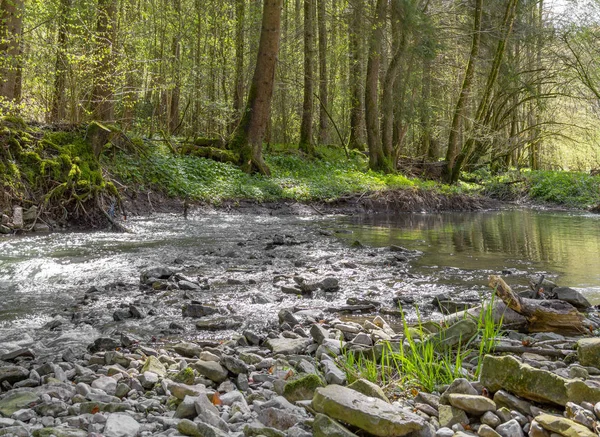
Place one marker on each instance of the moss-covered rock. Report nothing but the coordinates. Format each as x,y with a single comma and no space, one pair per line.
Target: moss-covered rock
588,351
185,376
302,388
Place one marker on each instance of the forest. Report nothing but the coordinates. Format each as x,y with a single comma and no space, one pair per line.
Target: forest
453,91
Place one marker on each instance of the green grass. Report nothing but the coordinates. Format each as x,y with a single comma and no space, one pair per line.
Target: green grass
293,177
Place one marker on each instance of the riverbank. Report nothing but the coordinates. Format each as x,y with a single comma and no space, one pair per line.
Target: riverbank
58,182
255,318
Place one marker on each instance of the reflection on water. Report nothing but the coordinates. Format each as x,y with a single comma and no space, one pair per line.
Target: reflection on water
564,244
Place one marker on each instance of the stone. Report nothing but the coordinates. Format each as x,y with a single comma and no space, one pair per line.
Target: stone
563,426
148,380
16,401
369,389
333,374
302,388
460,332
490,419
329,284
12,374
523,380
187,408
208,413
59,432
472,404
154,365
588,352
157,273
505,399
105,383
196,311
318,333
187,427
121,425
288,346
535,430
234,365
189,350
580,415
571,296
460,386
185,376
450,416
369,414
207,430
103,344
19,353
211,369
18,217
444,432
324,426
582,391
512,428
180,391
278,418
258,429
487,431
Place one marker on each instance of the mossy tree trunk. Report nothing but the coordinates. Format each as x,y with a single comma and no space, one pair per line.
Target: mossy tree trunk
176,59
248,137
323,85
306,127
356,58
11,28
58,110
238,88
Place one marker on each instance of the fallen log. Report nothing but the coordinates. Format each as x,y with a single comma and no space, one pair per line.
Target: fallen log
543,315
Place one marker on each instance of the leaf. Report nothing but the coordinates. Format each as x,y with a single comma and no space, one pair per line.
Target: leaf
216,399
95,410
288,375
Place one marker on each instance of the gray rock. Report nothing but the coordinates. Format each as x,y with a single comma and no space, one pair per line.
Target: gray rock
370,414
472,404
318,333
189,350
206,430
487,431
288,346
571,296
187,408
234,365
156,272
450,416
324,426
208,413
17,400
211,369
196,311
12,374
121,425
333,374
278,418
460,386
510,429
505,399
588,351
490,419
444,432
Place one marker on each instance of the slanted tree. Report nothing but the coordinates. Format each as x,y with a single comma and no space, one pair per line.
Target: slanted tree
248,136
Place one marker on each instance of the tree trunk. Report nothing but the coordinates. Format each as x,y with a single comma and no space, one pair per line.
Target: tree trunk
176,57
58,110
248,136
238,91
323,86
377,159
482,108
11,28
357,95
465,94
102,94
306,128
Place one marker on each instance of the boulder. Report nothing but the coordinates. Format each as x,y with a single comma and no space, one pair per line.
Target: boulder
15,401
563,426
302,388
450,416
154,365
369,389
472,404
571,296
196,311
369,414
12,374
523,380
588,351
189,350
460,332
211,369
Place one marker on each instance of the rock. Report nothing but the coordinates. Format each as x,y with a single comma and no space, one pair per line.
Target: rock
106,384
302,388
19,353
286,316
5,230
324,426
460,332
535,430
571,296
148,380
512,428
12,374
59,432
103,344
450,416
278,418
207,430
588,352
472,404
211,369
234,365
318,333
53,409
369,414
460,386
121,425
523,380
505,399
18,217
208,413
563,426
582,391
369,389
185,376
157,273
154,365
17,400
288,346
188,286
138,312
187,427
444,432
180,391
329,284
189,350
487,431
187,408
218,324
258,429
333,374
196,311
580,415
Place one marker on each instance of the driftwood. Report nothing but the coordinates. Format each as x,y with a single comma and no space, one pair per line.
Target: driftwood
543,315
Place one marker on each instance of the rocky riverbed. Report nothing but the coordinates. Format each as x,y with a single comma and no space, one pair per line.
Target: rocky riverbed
249,336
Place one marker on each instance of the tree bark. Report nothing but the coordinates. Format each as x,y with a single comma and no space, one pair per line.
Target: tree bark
323,85
11,28
102,94
176,57
248,136
377,159
306,128
357,95
465,94
58,110
238,88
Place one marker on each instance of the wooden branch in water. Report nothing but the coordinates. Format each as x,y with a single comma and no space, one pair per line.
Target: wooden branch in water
543,315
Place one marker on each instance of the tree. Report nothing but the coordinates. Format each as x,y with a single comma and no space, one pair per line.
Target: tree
102,93
323,86
58,110
248,136
356,65
306,128
11,28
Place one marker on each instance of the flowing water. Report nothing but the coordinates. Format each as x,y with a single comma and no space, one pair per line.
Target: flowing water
41,275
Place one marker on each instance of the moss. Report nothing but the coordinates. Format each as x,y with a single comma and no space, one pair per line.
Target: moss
185,376
302,388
